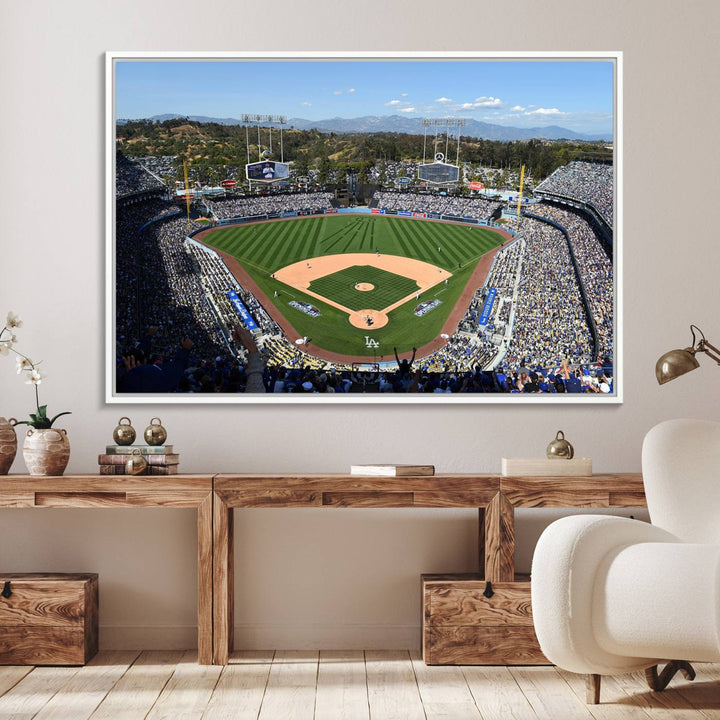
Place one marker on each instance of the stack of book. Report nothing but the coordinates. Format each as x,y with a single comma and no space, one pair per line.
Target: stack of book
160,459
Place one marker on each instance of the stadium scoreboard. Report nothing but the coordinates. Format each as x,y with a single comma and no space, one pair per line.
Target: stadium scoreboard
267,171
438,173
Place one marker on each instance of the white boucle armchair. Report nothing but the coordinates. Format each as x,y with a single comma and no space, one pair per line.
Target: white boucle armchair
613,595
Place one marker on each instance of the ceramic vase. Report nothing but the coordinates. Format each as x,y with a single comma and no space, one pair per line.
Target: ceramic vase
46,451
8,444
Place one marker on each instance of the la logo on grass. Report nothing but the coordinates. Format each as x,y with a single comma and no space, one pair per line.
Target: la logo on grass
371,343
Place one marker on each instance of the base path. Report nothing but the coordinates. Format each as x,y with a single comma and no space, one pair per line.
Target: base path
300,274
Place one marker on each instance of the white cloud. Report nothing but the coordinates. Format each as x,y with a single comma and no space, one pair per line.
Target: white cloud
517,108
545,111
351,90
337,92
403,94
392,102
488,102
408,109
443,100
306,103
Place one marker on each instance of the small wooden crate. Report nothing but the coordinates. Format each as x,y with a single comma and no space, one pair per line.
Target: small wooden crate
48,618
461,626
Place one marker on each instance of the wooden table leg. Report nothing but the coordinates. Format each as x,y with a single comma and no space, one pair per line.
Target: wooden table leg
499,518
481,541
223,581
205,580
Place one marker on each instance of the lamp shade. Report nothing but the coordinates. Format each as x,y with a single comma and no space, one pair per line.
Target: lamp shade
675,363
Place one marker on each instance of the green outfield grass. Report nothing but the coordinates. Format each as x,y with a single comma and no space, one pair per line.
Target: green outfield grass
264,248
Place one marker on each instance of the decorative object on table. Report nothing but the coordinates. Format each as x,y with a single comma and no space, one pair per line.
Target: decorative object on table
677,362
124,433
46,449
560,448
155,433
48,618
136,463
392,470
545,467
8,444
158,459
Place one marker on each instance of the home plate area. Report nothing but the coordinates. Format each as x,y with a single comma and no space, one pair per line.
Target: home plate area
366,286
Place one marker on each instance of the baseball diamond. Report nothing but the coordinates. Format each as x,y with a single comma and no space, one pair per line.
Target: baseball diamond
365,274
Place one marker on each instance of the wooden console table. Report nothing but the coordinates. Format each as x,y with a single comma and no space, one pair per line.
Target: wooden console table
215,497
495,497
126,491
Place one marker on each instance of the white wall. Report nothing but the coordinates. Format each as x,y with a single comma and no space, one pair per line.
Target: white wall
330,578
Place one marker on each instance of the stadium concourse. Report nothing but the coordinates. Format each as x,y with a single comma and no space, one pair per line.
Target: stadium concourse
550,328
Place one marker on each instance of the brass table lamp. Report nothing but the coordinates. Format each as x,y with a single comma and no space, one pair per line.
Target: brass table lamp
677,362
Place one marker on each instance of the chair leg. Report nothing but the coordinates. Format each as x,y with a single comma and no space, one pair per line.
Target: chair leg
592,689
660,682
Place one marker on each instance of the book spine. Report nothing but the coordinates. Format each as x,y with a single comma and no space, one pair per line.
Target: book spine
109,459
144,449
112,469
149,470
162,470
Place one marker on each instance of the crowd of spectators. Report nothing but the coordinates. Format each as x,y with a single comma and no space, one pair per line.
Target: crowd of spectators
596,270
550,324
162,166
174,320
250,206
584,182
474,207
131,177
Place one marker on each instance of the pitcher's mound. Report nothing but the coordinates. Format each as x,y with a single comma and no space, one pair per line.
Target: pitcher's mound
368,319
365,287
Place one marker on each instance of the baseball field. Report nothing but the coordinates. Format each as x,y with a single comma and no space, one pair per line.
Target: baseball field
368,277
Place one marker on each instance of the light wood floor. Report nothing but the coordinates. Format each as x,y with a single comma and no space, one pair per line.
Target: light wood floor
370,685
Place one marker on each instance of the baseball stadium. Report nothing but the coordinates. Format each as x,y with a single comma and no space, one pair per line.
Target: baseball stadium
411,291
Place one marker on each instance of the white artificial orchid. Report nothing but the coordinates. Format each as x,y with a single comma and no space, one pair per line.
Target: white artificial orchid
33,376
23,363
13,320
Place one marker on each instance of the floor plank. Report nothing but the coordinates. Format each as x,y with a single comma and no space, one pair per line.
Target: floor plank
615,703
138,689
240,691
347,685
548,694
392,688
666,705
703,693
497,694
11,675
34,691
290,691
88,687
444,691
342,686
188,692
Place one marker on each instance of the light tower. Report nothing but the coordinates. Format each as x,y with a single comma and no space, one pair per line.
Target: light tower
253,171
440,172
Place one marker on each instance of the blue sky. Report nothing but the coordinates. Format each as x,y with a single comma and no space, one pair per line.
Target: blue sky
574,94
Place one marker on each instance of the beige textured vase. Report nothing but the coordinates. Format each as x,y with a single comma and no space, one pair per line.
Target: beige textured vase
8,444
46,452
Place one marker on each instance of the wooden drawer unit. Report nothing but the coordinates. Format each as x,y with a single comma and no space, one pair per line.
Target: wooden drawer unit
48,619
462,626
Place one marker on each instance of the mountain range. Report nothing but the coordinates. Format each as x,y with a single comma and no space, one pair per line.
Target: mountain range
412,126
